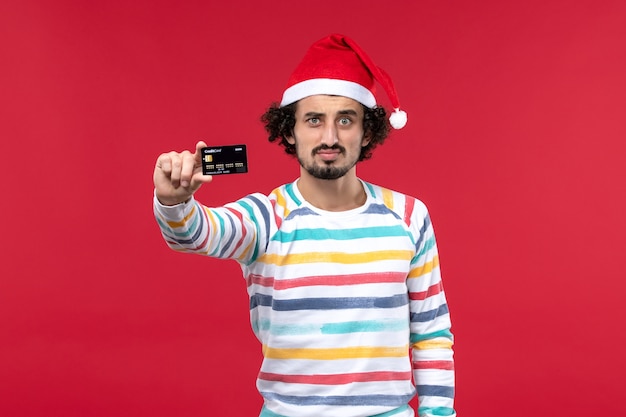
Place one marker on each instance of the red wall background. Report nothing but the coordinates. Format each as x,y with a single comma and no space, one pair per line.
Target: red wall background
516,141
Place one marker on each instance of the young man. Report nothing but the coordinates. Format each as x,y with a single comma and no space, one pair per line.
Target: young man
343,275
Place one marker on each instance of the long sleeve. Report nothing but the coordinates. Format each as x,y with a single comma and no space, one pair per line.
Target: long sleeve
431,339
237,230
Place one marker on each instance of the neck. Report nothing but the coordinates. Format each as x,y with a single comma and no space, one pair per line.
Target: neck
345,193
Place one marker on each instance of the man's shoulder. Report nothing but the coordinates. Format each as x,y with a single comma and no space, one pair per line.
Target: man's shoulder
403,205
389,196
284,199
269,198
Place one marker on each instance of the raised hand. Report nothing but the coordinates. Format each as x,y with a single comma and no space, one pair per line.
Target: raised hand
178,175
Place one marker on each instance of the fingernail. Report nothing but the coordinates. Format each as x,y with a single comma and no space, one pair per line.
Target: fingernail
184,184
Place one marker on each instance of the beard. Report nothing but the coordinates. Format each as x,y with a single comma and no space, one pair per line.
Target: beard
326,171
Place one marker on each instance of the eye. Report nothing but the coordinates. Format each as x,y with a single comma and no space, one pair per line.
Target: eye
345,121
313,121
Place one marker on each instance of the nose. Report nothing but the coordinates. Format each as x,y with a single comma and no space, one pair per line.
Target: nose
329,135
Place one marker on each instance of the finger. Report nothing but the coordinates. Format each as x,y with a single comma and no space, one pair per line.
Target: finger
187,168
198,180
162,173
164,163
176,167
198,155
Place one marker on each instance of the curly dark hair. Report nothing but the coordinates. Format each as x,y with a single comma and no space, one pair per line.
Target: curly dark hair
280,121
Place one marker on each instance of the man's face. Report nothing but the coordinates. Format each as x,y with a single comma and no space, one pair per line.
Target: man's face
328,135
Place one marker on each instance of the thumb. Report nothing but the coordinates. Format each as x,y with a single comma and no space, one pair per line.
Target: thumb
198,177
198,155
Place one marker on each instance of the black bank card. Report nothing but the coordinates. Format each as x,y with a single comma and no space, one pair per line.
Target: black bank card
231,159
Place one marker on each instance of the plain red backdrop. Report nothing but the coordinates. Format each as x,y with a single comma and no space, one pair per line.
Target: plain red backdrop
515,141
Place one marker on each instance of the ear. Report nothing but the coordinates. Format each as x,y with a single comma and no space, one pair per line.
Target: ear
290,139
366,140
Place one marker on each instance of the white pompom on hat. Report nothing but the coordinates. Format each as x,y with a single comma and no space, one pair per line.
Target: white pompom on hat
336,65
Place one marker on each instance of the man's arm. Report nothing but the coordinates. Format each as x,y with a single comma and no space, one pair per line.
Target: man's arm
431,339
238,230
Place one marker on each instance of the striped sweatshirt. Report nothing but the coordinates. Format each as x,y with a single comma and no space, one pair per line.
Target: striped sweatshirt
348,306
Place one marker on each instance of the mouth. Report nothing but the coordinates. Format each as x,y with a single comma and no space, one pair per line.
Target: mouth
328,153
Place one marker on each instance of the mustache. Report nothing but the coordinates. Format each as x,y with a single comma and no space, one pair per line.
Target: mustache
326,148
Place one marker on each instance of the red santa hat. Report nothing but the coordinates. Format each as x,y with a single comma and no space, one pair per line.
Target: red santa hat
336,65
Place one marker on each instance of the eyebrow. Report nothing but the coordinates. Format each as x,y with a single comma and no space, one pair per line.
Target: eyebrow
348,112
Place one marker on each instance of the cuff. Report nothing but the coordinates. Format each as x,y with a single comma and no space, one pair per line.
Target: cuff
176,212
